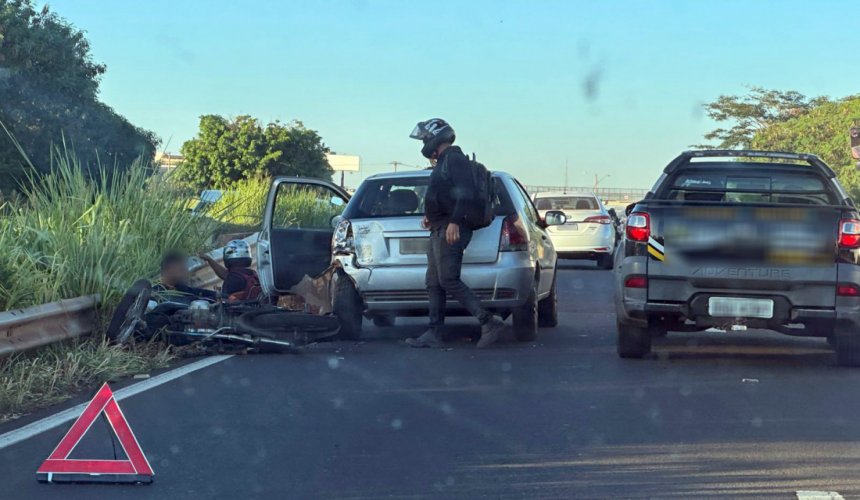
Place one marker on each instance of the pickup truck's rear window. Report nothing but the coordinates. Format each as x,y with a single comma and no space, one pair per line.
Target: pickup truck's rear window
754,186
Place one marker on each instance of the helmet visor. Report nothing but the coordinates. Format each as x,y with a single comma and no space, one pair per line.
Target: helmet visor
420,132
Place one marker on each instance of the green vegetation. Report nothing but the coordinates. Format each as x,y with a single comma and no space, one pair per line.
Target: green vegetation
49,88
226,152
789,121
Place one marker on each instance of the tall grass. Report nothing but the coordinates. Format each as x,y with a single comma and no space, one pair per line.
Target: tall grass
70,235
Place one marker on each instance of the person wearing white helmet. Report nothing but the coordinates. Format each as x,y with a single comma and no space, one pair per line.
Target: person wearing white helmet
240,281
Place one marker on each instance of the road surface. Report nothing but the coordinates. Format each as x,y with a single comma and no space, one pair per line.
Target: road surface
748,414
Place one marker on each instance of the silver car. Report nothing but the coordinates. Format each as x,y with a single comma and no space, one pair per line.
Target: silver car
590,231
379,247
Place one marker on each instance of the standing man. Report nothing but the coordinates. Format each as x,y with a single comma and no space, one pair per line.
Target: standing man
449,197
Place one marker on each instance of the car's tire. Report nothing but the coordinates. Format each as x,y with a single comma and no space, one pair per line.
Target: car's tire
384,320
632,341
847,348
605,261
348,307
129,313
525,319
548,307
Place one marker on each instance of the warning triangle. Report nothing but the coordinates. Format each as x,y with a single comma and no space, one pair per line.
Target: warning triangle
60,468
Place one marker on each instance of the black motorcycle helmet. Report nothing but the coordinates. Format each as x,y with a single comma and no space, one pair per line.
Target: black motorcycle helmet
432,133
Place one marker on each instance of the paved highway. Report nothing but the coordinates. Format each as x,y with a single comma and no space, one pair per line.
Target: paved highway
747,414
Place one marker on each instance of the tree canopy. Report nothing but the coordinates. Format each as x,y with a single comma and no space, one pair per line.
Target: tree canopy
49,87
777,120
226,151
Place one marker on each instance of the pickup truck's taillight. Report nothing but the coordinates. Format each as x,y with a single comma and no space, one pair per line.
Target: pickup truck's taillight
849,233
636,282
342,240
514,237
847,290
638,226
598,219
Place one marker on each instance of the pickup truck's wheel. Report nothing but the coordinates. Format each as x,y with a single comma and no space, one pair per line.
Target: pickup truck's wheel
847,348
526,319
548,308
632,341
383,320
348,307
605,261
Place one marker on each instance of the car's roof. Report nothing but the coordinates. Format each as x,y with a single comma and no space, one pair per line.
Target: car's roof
561,194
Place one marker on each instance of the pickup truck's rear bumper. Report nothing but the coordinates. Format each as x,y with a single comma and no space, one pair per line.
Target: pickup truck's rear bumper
634,307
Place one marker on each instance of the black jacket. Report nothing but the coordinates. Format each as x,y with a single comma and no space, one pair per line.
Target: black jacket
451,189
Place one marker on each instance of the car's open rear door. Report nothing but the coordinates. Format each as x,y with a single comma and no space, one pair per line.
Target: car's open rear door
297,228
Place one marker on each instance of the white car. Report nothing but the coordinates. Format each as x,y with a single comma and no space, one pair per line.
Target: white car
590,231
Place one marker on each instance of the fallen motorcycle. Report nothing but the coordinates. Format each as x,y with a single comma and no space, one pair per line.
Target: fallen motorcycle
218,324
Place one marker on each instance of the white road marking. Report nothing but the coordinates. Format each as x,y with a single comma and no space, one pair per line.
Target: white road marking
58,419
819,495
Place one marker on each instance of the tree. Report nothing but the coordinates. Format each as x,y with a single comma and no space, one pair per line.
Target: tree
755,111
225,152
822,130
49,95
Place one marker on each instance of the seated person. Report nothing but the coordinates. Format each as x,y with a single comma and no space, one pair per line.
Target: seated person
173,284
240,281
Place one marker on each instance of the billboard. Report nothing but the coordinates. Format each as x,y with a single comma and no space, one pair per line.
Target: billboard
343,163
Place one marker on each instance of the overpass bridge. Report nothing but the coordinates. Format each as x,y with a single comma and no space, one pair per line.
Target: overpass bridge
608,195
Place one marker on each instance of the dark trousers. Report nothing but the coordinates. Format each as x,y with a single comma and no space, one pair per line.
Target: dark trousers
444,262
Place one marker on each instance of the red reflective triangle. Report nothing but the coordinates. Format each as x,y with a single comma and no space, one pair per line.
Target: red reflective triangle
136,468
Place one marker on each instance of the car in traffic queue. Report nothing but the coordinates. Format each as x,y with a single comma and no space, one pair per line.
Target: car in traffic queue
380,247
589,232
734,240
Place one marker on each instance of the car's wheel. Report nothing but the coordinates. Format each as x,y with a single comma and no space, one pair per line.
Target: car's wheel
605,261
632,341
548,307
128,316
526,319
384,320
348,307
847,348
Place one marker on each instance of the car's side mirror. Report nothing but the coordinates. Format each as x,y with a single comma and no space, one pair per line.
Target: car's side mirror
554,218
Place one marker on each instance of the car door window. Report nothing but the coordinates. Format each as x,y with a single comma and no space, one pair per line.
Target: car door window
305,206
530,209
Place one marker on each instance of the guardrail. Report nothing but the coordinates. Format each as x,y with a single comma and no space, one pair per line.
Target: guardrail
35,326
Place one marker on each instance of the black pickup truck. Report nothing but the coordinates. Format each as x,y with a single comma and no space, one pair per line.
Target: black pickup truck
736,240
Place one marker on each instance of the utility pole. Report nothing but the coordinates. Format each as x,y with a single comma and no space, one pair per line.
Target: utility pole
599,180
395,163
565,177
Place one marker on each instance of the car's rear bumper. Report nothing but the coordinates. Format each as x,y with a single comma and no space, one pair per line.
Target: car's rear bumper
501,285
574,246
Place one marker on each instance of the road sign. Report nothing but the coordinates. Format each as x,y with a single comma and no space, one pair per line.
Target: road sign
59,468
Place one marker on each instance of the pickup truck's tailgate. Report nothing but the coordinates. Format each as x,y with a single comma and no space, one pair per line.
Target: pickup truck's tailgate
788,251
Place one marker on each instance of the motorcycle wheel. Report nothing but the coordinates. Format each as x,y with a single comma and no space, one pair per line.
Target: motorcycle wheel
128,315
287,325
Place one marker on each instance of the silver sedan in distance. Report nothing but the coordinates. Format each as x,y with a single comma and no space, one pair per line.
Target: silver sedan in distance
381,250
588,233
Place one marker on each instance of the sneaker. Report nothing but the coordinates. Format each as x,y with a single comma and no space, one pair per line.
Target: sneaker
427,339
490,332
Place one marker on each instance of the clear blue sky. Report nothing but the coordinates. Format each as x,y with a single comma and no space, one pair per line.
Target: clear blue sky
511,76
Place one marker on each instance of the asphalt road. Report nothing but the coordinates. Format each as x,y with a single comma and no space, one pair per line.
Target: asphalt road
748,414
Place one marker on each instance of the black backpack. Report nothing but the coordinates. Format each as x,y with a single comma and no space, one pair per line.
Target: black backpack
482,210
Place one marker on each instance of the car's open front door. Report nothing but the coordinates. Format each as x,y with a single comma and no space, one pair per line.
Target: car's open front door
297,228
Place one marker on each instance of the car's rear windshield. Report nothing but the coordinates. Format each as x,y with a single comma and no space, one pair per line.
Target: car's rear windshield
567,203
750,186
402,197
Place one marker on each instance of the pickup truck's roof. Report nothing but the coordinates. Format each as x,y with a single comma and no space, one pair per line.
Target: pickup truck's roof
687,158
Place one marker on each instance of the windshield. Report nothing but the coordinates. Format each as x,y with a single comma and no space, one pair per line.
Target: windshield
567,203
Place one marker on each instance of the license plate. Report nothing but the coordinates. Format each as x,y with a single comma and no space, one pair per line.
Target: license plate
414,246
570,226
737,307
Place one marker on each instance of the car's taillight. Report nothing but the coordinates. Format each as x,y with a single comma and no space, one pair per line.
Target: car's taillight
342,241
598,219
514,236
638,226
849,233
636,282
847,290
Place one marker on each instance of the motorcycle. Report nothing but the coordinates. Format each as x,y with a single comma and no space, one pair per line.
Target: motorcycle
220,324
